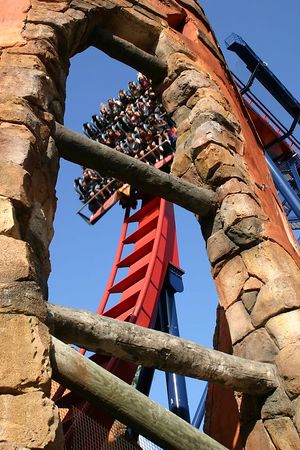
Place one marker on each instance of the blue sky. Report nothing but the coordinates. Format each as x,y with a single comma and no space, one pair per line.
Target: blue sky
82,255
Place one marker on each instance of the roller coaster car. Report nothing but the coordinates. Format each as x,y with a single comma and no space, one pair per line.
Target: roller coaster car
122,192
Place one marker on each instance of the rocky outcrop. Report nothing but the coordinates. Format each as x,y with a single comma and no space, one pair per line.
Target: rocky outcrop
255,264
254,258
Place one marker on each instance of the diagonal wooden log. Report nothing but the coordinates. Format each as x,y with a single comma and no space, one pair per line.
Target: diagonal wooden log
160,350
86,152
117,398
129,54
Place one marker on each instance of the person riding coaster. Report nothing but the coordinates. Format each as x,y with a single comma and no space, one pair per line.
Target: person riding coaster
134,124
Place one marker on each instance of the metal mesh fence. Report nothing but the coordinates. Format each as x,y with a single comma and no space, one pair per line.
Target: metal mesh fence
87,434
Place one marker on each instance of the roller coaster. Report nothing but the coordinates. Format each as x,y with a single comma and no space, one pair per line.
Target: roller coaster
148,250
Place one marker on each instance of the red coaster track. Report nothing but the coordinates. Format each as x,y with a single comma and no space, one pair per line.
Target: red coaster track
154,246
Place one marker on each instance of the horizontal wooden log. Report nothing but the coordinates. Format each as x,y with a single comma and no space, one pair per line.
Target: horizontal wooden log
117,398
129,54
152,348
86,152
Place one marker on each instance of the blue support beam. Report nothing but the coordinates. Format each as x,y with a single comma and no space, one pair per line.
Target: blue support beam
200,411
283,187
176,387
143,385
293,168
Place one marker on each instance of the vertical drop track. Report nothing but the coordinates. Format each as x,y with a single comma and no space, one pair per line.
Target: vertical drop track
144,254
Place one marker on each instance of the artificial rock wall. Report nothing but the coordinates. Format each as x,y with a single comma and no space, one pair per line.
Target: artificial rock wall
28,168
254,257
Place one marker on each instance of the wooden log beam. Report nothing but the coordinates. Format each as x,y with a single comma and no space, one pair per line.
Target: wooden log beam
129,54
86,152
160,350
117,398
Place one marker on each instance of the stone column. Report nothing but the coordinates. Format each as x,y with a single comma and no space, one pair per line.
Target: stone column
32,73
254,257
37,39
253,254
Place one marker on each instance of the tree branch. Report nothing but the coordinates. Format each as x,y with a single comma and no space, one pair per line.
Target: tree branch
101,388
160,350
129,54
86,152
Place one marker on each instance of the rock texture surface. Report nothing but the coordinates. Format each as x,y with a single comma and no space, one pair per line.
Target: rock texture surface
254,258
255,262
28,418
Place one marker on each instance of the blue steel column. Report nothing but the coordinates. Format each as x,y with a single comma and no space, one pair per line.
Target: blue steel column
145,380
293,166
143,385
176,387
283,187
199,414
